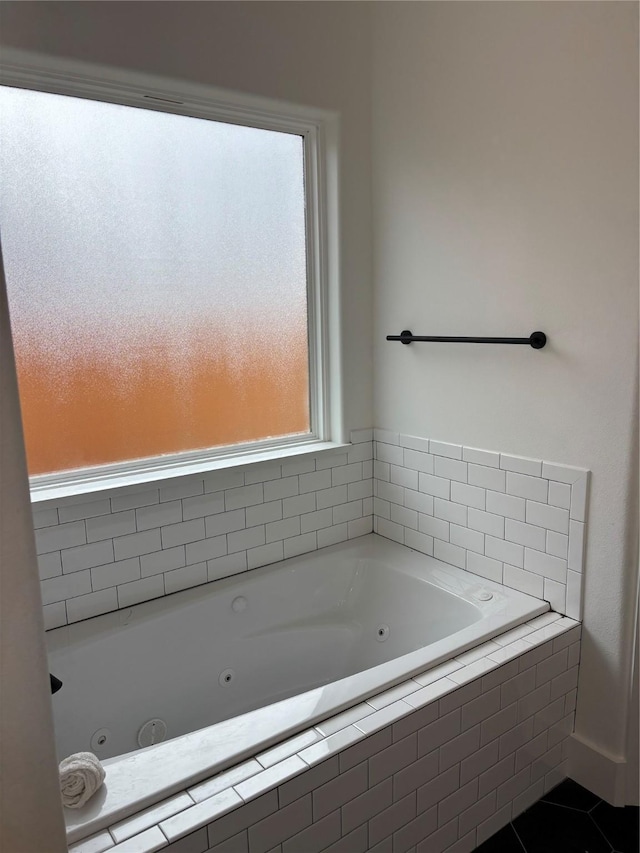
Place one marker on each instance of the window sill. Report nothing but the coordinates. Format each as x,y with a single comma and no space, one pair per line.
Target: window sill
104,483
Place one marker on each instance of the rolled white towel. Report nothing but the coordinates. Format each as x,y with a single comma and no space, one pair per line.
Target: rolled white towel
81,775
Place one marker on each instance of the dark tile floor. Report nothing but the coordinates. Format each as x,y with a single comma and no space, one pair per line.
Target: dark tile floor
569,819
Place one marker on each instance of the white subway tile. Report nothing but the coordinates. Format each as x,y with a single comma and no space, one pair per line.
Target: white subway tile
49,565
435,527
452,469
360,526
93,604
549,517
60,537
468,495
201,505
130,500
347,512
65,587
456,513
110,526
390,530
556,594
325,497
182,533
86,509
278,530
321,480
544,564
471,817
150,817
181,487
344,719
466,538
45,517
437,789
274,775
531,488
390,453
113,574
481,457
390,492
261,472
392,695
148,841
419,542
489,827
459,748
185,578
263,513
360,490
162,561
201,814
381,470
329,746
94,844
578,510
339,476
226,522
300,504
525,534
332,535
574,595
383,717
316,520
523,581
481,651
223,567
357,436
506,505
224,781
521,465
413,442
142,590
382,508
418,461
443,448
333,460
430,692
559,495
136,544
240,540
506,552
300,545
220,481
419,501
403,516
55,615
449,553
484,566
251,495
436,486
87,556
510,651
486,522
557,544
562,473
437,672
386,435
487,478
263,555
404,477
303,465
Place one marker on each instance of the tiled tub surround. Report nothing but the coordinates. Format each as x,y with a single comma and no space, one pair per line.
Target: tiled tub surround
438,763
110,550
518,521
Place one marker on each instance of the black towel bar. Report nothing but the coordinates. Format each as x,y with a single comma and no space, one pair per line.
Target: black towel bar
536,339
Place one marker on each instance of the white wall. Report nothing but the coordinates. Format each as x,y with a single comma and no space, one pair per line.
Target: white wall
314,54
505,200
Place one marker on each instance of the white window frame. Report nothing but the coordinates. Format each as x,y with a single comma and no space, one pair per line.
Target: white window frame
319,129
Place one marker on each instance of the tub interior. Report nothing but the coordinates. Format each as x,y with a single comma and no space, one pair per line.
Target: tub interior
207,654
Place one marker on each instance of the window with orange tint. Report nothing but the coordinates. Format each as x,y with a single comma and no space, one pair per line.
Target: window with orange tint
156,267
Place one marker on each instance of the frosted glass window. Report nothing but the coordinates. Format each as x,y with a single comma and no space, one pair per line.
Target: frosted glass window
157,277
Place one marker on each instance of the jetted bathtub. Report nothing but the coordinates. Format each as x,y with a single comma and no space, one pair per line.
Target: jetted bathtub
235,666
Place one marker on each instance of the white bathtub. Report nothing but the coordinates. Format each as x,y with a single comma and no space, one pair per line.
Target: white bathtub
302,640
